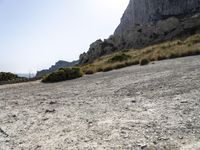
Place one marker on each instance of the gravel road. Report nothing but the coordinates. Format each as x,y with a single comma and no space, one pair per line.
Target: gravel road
153,107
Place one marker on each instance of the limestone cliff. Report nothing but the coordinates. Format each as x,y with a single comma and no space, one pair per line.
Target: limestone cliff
147,22
144,11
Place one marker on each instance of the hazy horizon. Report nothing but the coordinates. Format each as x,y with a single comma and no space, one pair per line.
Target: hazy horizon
36,34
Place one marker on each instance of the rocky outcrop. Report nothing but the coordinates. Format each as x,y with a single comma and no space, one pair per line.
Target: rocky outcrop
140,12
143,35
55,67
147,22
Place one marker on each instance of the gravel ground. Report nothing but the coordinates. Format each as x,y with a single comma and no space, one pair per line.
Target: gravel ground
154,107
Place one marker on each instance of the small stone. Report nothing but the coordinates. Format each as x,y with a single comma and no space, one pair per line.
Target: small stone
180,137
133,101
14,116
50,111
7,141
52,102
184,102
143,146
45,119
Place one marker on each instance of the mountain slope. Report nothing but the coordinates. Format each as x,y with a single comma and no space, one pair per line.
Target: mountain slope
147,22
166,50
55,67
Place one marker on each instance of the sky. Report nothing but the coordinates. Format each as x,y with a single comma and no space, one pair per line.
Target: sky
34,34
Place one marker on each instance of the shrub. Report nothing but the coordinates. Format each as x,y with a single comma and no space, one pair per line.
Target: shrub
190,53
179,42
194,39
174,55
195,52
99,69
144,61
106,69
118,66
134,62
126,50
119,58
63,74
7,76
161,57
89,72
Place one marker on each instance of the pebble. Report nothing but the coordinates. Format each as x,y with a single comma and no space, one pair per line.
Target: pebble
50,111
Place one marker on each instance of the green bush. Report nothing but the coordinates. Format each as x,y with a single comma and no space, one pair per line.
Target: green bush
108,68
174,55
7,76
118,66
89,72
161,57
134,62
144,61
63,74
119,58
99,69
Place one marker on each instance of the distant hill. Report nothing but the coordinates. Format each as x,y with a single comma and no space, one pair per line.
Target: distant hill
55,67
26,75
9,78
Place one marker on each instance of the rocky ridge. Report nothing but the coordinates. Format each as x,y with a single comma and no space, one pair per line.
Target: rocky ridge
172,19
55,67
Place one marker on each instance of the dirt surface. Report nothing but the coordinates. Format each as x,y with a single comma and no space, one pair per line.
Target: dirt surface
154,107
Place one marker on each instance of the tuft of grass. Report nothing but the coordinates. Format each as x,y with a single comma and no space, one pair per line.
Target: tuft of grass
119,58
174,55
108,68
63,74
144,61
161,57
88,72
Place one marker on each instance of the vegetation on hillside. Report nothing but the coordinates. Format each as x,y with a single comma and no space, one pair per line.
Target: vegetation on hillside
166,50
63,74
157,52
119,58
10,78
7,76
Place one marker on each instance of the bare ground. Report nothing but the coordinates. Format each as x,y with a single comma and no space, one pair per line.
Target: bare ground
154,107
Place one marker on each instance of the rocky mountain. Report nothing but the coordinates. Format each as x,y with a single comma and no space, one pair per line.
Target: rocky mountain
55,67
140,12
147,22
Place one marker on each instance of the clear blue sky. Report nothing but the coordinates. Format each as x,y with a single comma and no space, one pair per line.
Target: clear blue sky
34,34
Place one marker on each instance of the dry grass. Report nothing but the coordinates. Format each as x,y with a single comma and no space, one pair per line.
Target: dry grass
166,50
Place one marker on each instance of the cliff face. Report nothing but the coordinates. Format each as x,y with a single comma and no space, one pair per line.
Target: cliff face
147,22
144,11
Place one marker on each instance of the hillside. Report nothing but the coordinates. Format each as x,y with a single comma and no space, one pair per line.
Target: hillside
149,107
55,67
166,50
148,22
9,78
